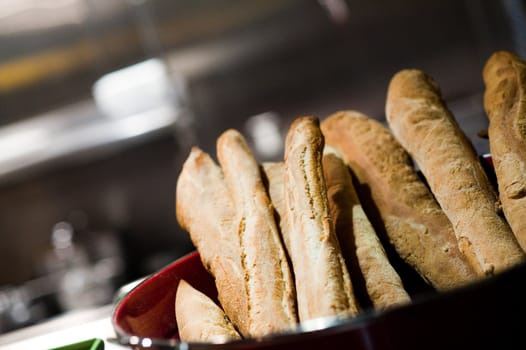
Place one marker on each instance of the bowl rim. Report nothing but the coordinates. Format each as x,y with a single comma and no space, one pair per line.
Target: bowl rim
322,324
316,327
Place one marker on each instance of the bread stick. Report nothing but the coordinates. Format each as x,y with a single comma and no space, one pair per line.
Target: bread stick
199,319
274,173
205,209
323,283
271,292
357,236
422,123
407,213
505,104
383,285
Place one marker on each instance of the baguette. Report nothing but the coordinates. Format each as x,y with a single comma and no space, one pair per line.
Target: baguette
274,173
505,103
422,123
404,208
269,281
358,238
323,284
199,319
383,285
205,209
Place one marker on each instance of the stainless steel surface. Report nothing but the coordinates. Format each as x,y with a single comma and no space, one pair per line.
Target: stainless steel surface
322,326
120,113
53,51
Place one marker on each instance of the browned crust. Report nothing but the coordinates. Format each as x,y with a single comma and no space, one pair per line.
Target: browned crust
323,284
357,237
420,120
212,229
199,319
275,177
271,292
505,103
413,221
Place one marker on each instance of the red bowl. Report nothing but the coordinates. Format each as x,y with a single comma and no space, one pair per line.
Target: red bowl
489,313
486,314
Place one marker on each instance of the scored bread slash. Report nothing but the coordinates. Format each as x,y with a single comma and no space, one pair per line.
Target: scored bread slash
205,209
323,284
268,277
505,103
357,237
422,123
400,204
199,319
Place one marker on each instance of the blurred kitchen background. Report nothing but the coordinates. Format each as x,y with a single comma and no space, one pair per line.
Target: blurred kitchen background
100,101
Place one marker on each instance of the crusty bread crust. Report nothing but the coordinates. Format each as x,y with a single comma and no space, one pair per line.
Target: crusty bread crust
323,284
212,228
274,173
407,212
505,103
422,123
199,319
271,291
357,237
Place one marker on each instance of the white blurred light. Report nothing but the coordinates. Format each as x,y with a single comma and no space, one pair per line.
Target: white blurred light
19,16
14,142
338,10
62,235
265,133
146,342
135,89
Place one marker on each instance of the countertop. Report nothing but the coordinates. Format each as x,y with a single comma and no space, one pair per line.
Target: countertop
72,327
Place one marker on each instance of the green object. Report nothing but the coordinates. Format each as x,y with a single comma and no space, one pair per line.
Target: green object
90,344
